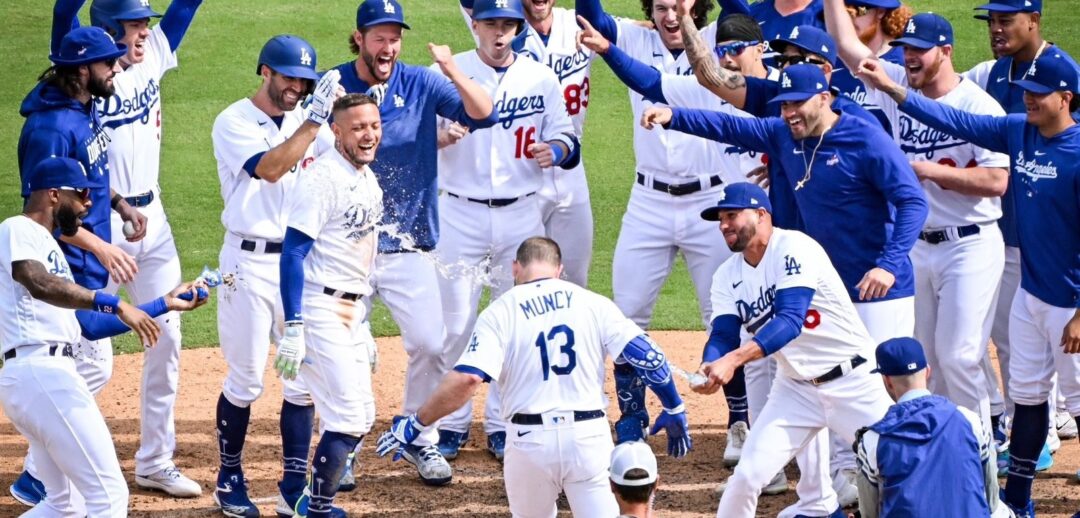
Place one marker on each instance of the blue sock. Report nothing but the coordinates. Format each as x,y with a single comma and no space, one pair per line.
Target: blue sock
296,423
1029,427
735,393
232,425
326,469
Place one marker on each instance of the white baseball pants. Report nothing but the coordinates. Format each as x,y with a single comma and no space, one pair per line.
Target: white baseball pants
999,331
50,405
567,217
571,457
1036,353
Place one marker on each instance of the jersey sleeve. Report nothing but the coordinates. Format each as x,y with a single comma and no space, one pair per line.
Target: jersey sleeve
685,92
311,202
18,239
486,348
891,173
758,93
236,141
869,476
985,105
721,295
615,329
881,99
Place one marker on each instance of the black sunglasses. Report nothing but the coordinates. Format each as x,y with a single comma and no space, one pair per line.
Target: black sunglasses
784,61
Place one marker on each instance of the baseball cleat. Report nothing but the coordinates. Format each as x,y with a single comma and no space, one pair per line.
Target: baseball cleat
844,485
1052,442
27,489
496,443
171,481
777,486
1045,462
735,438
348,477
450,443
231,496
299,508
430,464
1066,426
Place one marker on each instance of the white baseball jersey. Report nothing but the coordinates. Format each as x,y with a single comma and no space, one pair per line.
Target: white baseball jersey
923,143
132,118
25,320
980,74
546,344
495,162
254,208
666,154
338,205
832,331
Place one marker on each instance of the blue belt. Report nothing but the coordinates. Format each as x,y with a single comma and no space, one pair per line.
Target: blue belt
140,200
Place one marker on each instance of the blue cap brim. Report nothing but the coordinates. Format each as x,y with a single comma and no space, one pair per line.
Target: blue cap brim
793,96
914,42
1033,87
140,13
1003,8
296,71
883,4
121,49
385,20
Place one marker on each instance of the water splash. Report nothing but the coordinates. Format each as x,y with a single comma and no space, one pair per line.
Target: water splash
483,274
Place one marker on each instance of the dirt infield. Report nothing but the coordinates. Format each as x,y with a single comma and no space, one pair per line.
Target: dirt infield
387,489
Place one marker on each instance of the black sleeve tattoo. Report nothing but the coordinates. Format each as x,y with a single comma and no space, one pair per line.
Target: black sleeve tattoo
50,288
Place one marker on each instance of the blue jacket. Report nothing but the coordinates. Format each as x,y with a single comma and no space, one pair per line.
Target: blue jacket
57,125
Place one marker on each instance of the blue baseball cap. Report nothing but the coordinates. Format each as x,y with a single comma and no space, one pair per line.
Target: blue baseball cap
1012,6
800,82
378,12
884,4
736,196
490,9
55,172
926,31
809,38
87,45
1054,71
899,357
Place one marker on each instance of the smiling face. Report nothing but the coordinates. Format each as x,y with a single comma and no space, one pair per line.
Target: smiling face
739,226
284,91
804,117
495,35
135,34
358,130
537,11
1011,32
1045,109
667,23
379,48
744,58
923,66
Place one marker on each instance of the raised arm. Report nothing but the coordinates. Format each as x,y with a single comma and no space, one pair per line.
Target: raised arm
729,86
754,134
638,76
65,18
838,23
177,19
592,11
477,104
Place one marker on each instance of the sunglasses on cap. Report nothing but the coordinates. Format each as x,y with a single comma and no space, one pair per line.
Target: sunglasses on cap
83,194
734,49
860,10
784,61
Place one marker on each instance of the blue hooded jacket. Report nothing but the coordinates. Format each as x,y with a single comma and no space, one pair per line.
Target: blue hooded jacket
58,125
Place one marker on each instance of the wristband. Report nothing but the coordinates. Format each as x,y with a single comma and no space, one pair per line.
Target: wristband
677,410
115,200
557,151
106,303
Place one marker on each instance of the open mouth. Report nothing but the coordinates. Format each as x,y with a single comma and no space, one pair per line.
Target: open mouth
998,42
914,68
291,96
795,123
366,147
671,27
540,4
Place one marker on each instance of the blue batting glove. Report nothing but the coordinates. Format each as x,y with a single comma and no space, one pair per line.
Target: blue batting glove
403,431
678,430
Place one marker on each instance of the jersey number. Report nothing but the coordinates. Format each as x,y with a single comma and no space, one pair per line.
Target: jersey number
576,97
525,138
566,349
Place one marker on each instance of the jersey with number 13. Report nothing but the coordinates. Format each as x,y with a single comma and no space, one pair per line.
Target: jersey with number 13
545,342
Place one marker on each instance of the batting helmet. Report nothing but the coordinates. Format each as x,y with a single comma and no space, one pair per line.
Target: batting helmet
488,9
109,14
290,56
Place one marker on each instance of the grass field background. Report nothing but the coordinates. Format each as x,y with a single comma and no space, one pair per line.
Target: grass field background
217,65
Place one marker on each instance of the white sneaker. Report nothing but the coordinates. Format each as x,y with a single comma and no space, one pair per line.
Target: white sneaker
1066,425
171,481
1053,442
736,436
776,486
846,491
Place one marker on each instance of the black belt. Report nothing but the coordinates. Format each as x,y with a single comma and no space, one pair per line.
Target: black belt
681,189
140,200
838,371
492,203
272,247
341,294
579,415
939,236
52,351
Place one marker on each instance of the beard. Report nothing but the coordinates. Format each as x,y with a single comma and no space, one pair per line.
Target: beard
68,220
100,87
743,237
277,96
353,155
929,73
369,62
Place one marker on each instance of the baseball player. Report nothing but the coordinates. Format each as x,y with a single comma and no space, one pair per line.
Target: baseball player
777,17
549,38
261,143
410,99
780,286
489,181
327,258
545,342
131,117
675,177
1044,146
959,256
924,441
43,395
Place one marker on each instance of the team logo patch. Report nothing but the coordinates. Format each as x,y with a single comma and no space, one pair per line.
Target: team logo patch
910,27
785,81
794,33
501,4
388,7
398,101
835,159
305,58
473,344
792,266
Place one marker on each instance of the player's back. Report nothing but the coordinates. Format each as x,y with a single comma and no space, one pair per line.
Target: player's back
555,336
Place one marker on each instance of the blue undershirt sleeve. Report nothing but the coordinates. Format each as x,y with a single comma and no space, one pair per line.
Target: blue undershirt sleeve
652,367
594,13
95,325
751,133
892,174
296,247
985,131
638,76
177,19
252,163
65,18
786,324
723,338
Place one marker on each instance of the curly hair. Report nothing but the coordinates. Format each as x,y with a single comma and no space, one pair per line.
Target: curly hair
700,11
893,23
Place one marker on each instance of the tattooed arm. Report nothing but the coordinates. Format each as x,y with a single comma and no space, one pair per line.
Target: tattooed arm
729,86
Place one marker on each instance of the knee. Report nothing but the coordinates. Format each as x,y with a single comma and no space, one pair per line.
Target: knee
241,394
426,342
170,329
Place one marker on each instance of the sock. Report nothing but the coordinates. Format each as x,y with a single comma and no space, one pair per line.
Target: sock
995,423
735,393
1030,423
326,469
296,424
232,425
1077,418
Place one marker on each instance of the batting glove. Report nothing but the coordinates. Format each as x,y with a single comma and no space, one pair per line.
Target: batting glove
678,430
403,431
290,350
322,99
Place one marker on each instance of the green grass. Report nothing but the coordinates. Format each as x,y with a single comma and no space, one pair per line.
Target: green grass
217,67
